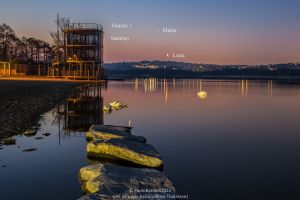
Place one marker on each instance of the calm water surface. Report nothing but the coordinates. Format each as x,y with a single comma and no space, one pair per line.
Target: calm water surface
240,142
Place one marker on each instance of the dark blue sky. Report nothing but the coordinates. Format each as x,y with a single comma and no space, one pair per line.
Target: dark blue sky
210,31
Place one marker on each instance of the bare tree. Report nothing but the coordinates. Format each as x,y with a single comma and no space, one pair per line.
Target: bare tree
24,50
58,37
7,38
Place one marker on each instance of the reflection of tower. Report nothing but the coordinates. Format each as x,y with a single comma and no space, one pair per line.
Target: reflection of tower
84,108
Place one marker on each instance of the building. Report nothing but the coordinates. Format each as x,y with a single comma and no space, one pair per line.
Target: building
16,69
82,52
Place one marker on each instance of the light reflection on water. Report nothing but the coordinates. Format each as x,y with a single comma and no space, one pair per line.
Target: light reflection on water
163,85
240,142
51,171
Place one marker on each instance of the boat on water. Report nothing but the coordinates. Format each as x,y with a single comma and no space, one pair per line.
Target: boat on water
118,104
107,109
202,94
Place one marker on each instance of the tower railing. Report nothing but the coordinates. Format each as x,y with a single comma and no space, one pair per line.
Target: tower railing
83,26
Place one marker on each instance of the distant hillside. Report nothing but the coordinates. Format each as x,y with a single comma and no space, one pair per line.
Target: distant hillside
188,70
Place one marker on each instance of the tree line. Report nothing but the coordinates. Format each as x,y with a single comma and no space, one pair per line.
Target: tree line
23,50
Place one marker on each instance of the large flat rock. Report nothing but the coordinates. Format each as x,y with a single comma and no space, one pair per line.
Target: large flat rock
104,132
125,150
116,182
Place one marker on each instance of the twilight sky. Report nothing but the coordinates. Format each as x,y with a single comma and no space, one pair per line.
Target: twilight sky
208,31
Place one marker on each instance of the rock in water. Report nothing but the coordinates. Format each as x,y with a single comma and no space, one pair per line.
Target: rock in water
103,132
29,133
9,141
106,132
30,150
126,150
105,181
46,134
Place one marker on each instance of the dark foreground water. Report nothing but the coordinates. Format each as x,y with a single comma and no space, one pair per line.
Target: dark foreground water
240,142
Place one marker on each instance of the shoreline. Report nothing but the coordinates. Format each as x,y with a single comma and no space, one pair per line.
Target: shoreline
23,102
45,79
126,77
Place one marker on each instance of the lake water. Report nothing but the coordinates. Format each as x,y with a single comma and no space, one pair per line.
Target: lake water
240,142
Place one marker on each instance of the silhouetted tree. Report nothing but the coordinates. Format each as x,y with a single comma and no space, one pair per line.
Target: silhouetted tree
58,38
24,50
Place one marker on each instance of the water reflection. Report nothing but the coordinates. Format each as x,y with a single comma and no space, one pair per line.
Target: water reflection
245,135
201,94
150,85
270,87
165,86
166,90
82,108
244,87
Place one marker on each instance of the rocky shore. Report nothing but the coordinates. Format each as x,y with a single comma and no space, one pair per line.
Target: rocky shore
23,102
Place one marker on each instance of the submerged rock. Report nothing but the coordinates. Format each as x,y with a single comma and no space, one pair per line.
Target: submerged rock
38,138
105,181
104,132
9,141
126,150
30,149
46,134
